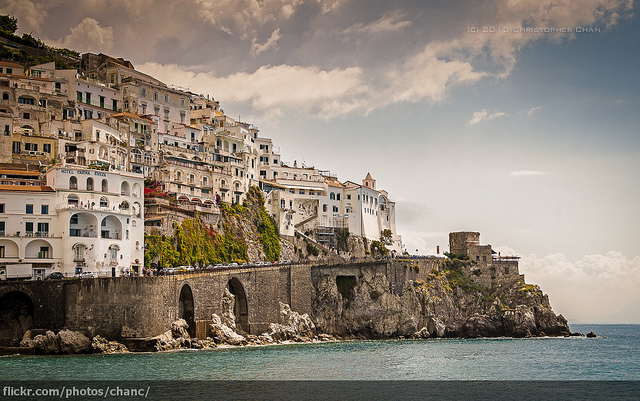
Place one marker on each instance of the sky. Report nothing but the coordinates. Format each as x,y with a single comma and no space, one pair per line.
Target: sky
515,118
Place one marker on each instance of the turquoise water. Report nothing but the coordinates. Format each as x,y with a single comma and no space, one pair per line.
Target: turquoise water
614,355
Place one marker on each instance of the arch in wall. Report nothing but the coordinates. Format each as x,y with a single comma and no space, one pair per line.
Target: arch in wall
16,317
10,248
125,189
186,309
240,309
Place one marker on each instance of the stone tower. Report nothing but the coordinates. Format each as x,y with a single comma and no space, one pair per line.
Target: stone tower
369,182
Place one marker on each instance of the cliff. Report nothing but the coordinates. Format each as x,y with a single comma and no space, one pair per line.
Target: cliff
429,299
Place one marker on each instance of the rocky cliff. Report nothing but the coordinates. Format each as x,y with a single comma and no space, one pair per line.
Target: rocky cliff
445,303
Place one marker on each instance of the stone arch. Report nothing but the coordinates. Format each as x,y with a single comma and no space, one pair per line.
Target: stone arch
186,309
89,184
137,210
240,309
16,317
105,185
73,182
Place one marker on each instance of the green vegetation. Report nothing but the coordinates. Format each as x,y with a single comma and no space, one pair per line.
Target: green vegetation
378,247
9,25
267,229
453,270
386,237
311,249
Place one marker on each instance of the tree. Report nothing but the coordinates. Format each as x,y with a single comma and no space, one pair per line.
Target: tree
8,24
386,237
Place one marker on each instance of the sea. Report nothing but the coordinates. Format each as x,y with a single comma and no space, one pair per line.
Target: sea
605,367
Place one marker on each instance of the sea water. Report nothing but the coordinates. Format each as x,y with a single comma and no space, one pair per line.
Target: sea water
613,356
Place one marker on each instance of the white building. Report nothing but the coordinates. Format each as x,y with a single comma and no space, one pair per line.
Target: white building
99,220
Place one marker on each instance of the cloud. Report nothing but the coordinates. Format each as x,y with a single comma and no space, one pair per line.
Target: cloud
595,289
271,43
242,16
88,35
30,16
528,173
389,22
533,110
484,115
323,93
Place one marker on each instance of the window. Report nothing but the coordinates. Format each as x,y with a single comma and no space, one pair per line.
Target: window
484,258
2,228
46,148
166,114
16,148
332,196
1,207
506,270
182,102
166,98
29,208
44,209
44,252
143,93
337,196
349,196
155,96
28,227
89,184
26,100
2,251
335,209
156,111
73,182
74,219
105,186
104,203
324,208
43,229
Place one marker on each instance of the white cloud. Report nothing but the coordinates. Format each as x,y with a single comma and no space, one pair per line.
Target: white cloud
389,22
88,35
271,43
30,16
484,115
528,173
533,110
594,289
324,93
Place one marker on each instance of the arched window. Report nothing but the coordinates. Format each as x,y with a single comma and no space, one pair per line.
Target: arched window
89,184
105,185
103,202
205,181
73,182
324,208
178,176
5,95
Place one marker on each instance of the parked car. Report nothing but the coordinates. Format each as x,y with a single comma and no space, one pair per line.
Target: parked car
55,276
233,264
85,275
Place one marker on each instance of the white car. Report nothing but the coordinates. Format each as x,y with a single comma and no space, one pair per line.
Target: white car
85,275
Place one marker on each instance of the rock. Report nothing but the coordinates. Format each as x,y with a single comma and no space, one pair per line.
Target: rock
47,344
422,333
224,334
128,332
520,322
101,345
228,317
551,324
27,340
292,326
481,326
576,334
73,342
265,338
435,327
591,334
179,329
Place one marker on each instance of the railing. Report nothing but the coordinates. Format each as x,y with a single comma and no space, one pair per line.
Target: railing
100,104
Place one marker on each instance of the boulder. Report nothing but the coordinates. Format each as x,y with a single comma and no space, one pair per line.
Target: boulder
27,340
591,334
179,329
73,342
101,345
224,334
292,326
552,325
47,344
